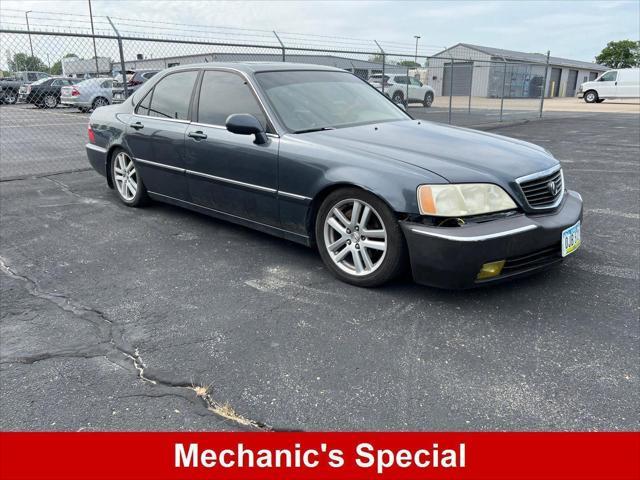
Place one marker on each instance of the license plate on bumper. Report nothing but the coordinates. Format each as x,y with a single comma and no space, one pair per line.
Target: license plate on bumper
571,239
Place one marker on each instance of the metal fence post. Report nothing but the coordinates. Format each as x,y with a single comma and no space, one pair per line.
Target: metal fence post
384,59
544,83
284,57
504,81
473,66
450,91
122,65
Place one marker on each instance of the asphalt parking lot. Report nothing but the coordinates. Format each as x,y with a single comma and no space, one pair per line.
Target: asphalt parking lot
121,319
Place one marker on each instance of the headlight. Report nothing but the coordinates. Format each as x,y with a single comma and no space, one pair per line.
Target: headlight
463,199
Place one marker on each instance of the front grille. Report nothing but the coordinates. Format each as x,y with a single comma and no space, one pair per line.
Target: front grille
538,192
541,258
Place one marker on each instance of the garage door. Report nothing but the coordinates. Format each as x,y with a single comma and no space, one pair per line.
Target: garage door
572,83
462,73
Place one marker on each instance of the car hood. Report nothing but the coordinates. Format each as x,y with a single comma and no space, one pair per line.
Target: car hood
456,154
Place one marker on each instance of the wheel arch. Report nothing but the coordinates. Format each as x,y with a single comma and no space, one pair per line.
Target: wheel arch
327,190
110,152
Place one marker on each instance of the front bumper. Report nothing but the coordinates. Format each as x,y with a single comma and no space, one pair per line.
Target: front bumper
452,257
580,94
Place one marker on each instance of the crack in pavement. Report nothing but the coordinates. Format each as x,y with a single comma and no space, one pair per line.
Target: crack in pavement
114,341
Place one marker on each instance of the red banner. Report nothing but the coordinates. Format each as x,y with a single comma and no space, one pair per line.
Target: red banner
308,456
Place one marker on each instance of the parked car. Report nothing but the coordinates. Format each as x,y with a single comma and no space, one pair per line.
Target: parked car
88,94
620,83
10,86
134,81
403,89
44,93
317,156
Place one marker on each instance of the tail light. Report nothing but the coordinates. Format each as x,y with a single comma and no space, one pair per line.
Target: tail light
28,88
92,136
74,91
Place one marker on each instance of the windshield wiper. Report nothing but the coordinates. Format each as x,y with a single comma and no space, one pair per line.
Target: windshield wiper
317,129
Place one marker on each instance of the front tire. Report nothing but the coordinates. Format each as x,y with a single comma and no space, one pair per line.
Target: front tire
99,102
591,96
50,101
126,180
359,238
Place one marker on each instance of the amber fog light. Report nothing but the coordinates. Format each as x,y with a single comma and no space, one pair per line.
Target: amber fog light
489,270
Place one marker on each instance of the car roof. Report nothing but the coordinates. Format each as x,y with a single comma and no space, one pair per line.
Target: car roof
254,67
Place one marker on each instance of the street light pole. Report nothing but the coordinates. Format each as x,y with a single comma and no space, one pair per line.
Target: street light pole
95,51
417,37
26,15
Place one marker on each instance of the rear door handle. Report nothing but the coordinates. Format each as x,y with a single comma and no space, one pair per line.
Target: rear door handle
197,135
137,125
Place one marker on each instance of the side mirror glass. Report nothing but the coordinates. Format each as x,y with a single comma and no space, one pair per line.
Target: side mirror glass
246,124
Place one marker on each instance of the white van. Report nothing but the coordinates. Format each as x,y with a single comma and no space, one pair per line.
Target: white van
622,83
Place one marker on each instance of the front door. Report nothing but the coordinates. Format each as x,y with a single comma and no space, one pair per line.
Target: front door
608,85
228,172
156,133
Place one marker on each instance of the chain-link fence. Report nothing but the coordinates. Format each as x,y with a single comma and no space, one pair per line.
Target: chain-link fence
52,80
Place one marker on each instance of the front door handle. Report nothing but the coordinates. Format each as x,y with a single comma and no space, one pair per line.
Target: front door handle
137,125
197,135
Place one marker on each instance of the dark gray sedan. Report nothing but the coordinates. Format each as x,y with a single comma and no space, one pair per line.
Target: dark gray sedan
317,156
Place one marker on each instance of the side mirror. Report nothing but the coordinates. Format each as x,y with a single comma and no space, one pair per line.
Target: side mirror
245,124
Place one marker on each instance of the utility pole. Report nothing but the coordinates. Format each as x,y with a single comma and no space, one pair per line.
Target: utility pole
417,37
26,15
95,51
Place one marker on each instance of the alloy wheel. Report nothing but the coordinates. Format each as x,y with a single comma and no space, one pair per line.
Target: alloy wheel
50,101
125,176
99,102
355,237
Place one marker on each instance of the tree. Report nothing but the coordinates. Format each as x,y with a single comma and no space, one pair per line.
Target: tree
22,62
620,54
56,68
409,64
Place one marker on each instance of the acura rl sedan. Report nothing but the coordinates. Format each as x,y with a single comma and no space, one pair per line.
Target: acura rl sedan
318,156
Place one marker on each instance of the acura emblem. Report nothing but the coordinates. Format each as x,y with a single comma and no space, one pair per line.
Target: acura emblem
553,188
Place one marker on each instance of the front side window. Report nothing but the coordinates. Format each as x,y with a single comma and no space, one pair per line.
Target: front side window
415,81
609,77
223,94
171,96
316,99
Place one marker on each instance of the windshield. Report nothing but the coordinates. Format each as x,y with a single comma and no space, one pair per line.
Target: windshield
316,100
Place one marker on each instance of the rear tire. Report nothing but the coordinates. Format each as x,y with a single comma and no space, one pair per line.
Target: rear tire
126,180
397,97
359,238
591,96
428,100
10,97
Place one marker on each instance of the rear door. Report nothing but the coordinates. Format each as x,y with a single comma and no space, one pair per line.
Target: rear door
228,172
629,83
155,135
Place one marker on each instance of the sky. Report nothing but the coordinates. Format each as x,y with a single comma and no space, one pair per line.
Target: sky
571,29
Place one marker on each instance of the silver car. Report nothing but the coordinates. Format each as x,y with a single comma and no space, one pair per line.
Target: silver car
88,94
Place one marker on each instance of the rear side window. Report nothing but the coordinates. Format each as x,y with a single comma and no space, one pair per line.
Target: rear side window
401,80
223,94
106,84
148,75
143,106
171,96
